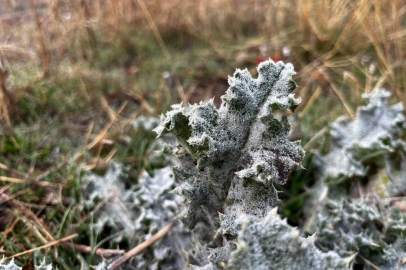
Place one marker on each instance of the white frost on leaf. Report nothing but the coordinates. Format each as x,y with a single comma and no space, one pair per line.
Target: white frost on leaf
270,243
232,156
375,129
137,212
10,265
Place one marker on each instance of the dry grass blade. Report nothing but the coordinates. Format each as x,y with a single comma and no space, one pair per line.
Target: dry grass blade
10,229
70,237
15,195
7,253
7,97
112,114
29,214
105,253
103,133
338,93
312,99
155,29
44,55
318,135
138,96
369,262
141,247
403,262
12,179
5,188
12,171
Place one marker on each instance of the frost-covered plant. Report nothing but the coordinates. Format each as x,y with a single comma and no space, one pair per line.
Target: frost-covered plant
230,158
369,146
10,265
135,214
270,243
374,132
361,227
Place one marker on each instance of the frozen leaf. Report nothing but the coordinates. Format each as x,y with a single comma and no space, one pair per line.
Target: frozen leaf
232,156
360,226
270,243
371,134
10,265
138,212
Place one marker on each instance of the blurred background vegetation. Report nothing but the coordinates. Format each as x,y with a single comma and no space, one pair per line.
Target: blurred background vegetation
74,75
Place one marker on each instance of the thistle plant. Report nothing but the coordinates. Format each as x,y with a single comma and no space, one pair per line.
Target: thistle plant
369,229
230,158
270,243
374,133
369,146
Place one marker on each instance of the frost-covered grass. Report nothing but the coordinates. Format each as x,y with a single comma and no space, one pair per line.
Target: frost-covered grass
107,70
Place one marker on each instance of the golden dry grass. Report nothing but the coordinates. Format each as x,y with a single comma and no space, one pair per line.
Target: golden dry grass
345,47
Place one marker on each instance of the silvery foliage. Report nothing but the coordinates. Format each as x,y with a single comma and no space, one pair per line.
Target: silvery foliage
375,131
10,265
370,145
364,228
372,141
135,212
229,158
269,243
